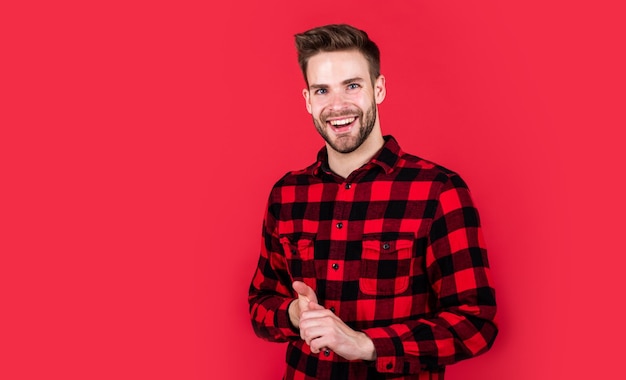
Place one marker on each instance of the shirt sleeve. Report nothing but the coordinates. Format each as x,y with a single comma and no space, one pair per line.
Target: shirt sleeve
270,291
462,324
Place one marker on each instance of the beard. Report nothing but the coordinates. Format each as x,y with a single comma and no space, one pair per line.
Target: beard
348,144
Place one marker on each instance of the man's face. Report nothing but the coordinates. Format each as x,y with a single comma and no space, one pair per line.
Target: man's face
341,98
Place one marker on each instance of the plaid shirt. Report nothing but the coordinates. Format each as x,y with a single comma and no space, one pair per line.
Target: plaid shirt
395,250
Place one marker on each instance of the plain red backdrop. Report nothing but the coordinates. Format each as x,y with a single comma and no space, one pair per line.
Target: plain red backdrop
139,142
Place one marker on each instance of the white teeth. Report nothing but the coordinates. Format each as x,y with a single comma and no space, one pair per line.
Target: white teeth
342,121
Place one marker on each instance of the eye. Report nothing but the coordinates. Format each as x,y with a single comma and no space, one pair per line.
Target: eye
321,91
353,86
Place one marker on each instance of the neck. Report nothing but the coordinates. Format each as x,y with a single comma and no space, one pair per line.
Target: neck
343,164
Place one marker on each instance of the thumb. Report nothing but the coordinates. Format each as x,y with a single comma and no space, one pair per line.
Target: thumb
304,291
315,306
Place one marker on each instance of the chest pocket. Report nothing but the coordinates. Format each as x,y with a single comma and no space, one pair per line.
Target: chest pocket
386,266
299,253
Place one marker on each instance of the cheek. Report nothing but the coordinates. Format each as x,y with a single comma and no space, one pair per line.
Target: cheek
315,110
361,100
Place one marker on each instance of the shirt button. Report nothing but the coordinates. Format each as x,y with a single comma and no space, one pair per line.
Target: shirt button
327,352
335,266
332,308
348,186
386,246
389,366
339,225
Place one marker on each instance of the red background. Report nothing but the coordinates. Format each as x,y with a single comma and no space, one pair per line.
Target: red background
139,142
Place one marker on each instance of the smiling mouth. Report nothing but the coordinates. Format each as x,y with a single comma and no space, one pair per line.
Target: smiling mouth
342,122
342,125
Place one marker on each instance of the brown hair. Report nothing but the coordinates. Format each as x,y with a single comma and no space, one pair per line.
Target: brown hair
337,37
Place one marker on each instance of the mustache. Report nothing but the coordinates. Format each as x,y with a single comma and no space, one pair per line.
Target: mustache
347,112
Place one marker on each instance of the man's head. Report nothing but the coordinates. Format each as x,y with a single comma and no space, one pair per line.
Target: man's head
337,37
344,87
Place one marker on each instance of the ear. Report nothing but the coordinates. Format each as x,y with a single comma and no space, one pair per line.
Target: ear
380,91
307,99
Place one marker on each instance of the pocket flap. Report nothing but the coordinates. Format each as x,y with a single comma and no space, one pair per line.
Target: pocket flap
302,247
387,245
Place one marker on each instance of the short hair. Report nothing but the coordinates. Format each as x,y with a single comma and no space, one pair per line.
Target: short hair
337,37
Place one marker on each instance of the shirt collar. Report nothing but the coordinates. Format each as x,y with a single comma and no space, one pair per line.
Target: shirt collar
387,157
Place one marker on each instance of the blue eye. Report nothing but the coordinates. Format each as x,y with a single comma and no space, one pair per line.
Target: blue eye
353,86
321,91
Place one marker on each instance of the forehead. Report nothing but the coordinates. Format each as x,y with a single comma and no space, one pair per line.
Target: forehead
336,66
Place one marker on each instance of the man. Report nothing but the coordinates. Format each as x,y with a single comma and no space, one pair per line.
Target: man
372,263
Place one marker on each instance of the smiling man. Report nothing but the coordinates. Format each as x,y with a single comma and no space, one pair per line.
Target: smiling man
372,263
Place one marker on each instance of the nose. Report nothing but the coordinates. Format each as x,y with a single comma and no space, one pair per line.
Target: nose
337,101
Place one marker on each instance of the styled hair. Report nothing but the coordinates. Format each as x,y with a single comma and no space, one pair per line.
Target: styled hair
337,37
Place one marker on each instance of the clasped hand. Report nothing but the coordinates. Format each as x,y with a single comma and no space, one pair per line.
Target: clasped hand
321,329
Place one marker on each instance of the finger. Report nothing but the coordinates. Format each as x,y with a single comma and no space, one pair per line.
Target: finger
319,345
324,315
308,336
300,288
315,306
312,310
304,290
314,349
312,333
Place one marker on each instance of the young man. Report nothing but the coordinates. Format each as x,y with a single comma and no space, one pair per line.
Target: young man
372,263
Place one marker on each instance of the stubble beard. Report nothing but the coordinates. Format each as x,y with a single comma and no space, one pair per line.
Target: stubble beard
348,144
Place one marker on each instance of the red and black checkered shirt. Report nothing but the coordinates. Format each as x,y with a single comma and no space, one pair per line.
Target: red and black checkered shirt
395,250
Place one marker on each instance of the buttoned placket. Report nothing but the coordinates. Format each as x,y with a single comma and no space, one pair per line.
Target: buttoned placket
343,199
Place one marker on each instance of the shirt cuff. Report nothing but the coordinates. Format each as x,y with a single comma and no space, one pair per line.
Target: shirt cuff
283,322
389,350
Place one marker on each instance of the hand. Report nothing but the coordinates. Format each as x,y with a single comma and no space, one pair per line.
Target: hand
306,295
322,329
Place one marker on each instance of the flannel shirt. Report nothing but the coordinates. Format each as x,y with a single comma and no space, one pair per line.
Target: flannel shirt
395,250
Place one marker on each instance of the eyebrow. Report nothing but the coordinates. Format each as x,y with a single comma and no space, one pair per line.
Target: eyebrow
352,80
347,81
